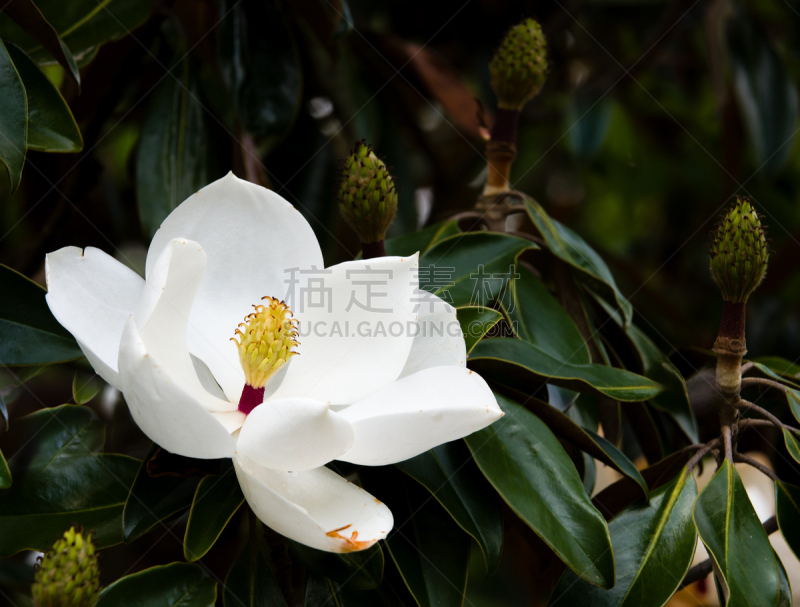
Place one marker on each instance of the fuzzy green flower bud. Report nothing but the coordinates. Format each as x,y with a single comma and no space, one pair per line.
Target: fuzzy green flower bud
366,195
739,252
68,575
519,67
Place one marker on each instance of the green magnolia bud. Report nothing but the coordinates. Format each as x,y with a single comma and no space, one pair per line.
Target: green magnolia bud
519,67
366,194
739,252
68,575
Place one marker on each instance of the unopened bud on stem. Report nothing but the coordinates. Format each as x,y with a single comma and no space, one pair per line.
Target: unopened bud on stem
68,575
739,252
519,66
366,195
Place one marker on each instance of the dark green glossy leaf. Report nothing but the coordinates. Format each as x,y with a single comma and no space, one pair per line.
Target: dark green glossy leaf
215,502
173,160
60,479
421,241
13,119
260,64
787,505
173,585
764,89
792,444
250,581
736,540
471,268
785,596
779,365
793,399
82,24
530,470
322,592
51,126
538,317
361,570
516,362
430,550
85,388
584,439
5,473
568,246
453,479
30,18
476,321
653,546
29,334
674,399
153,499
588,119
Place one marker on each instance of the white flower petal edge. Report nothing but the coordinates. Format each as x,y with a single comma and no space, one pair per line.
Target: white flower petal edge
159,382
344,366
92,295
294,434
251,236
417,413
440,341
317,507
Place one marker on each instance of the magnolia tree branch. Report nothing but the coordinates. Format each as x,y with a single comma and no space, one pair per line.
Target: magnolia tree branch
745,459
746,404
701,570
760,381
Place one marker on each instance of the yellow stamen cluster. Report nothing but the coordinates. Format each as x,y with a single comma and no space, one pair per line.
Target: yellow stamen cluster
265,340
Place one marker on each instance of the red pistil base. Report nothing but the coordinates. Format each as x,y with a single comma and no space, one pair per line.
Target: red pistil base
250,399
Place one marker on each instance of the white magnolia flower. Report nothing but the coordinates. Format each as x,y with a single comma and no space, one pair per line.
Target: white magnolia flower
359,394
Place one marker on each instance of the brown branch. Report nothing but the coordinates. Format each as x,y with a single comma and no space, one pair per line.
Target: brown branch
760,381
727,437
746,404
701,454
701,570
745,459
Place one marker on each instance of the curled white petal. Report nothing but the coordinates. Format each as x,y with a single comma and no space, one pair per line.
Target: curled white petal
159,381
92,295
317,507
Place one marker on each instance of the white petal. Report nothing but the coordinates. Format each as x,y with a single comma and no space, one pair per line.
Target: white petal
440,341
346,351
92,294
294,434
417,413
159,382
317,507
252,237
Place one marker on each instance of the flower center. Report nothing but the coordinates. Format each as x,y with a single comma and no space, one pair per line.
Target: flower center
265,340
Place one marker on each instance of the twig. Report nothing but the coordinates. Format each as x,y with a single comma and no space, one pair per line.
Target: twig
745,459
700,455
701,570
753,381
746,367
746,404
726,435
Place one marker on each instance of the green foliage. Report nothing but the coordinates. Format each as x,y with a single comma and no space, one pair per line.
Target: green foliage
178,584
60,479
29,334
